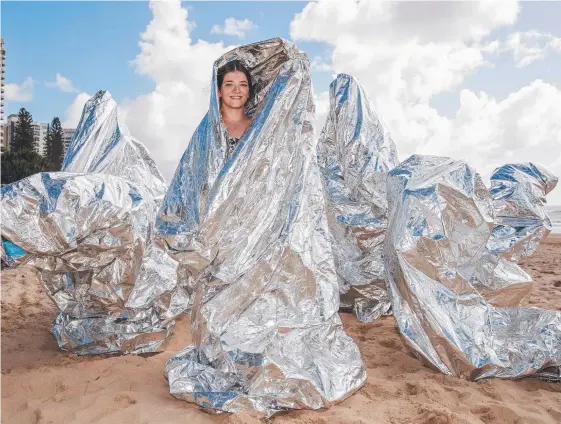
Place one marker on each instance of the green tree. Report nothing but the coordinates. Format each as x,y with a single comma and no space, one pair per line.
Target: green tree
47,141
54,145
21,164
23,138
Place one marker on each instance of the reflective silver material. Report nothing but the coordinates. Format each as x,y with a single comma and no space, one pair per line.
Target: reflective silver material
521,222
355,153
250,235
103,145
89,233
444,227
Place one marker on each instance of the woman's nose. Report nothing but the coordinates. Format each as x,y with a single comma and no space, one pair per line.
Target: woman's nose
236,88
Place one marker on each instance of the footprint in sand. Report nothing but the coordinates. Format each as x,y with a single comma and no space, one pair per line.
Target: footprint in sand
496,414
413,389
390,343
125,399
489,391
556,414
460,394
434,416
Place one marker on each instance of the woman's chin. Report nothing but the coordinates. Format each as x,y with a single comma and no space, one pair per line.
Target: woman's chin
235,105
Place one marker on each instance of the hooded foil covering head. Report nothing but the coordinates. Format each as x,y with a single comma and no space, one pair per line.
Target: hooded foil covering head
250,234
355,153
444,228
103,145
88,231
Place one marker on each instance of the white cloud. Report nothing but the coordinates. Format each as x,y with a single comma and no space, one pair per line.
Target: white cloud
234,27
63,84
492,47
19,92
402,64
405,53
321,101
529,46
165,119
416,49
487,132
73,113
318,64
395,22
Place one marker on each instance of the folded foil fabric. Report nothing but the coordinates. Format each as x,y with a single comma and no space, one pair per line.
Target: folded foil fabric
250,236
518,193
450,255
103,144
355,153
88,231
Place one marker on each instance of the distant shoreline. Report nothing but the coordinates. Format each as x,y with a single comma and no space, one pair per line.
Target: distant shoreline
554,213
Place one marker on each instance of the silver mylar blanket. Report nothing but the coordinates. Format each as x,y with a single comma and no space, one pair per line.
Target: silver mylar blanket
250,234
355,153
88,231
450,255
103,145
521,222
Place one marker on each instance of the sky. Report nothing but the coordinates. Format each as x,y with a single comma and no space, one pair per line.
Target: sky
479,81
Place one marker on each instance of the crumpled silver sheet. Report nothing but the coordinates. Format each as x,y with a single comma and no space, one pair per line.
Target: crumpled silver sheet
89,234
355,153
250,234
443,221
520,223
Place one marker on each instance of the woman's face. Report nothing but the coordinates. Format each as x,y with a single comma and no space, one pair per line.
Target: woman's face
235,90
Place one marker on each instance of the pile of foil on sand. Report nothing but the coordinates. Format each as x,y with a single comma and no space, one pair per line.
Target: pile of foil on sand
88,231
249,232
355,153
450,254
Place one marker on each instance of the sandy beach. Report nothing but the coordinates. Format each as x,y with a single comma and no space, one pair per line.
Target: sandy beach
42,384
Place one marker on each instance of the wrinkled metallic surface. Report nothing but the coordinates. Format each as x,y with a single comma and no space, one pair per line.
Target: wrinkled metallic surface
521,222
250,235
103,145
89,234
355,153
444,223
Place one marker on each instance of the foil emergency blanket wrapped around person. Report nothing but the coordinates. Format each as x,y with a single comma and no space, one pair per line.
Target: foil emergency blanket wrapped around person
88,231
355,153
450,255
249,233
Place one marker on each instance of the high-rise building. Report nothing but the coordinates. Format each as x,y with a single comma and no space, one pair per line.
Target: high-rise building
67,136
2,70
39,131
4,146
5,140
10,131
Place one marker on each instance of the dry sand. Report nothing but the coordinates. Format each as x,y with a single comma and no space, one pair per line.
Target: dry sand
42,384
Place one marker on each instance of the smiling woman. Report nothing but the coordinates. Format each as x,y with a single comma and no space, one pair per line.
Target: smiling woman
234,90
249,235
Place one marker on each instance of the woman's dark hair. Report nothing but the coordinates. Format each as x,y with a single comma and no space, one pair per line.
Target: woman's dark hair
234,65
